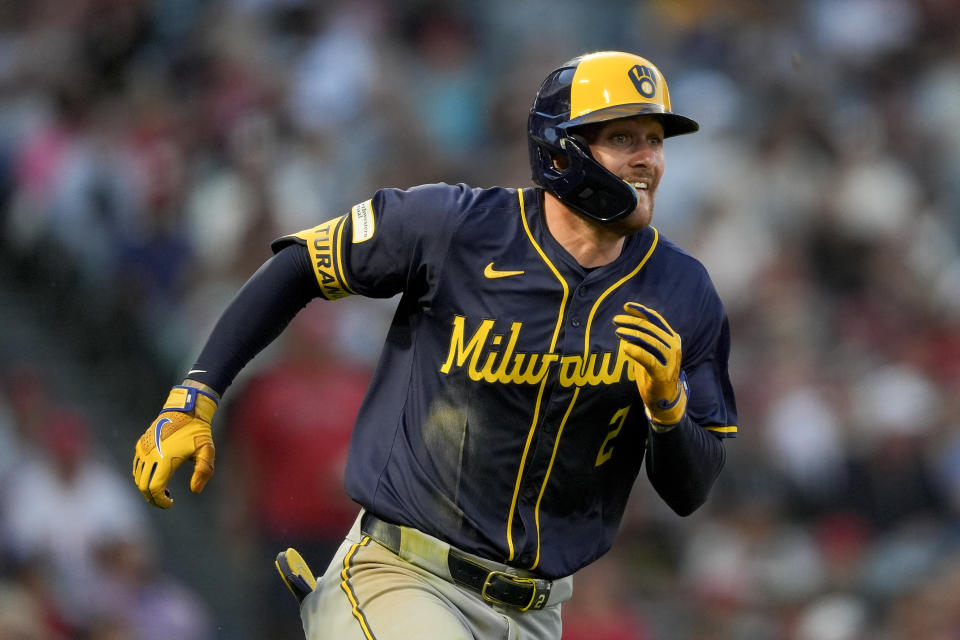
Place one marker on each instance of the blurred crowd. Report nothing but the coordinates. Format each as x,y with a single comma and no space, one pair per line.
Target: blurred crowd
151,149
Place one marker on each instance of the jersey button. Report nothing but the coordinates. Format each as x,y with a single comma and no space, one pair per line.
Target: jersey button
575,322
582,292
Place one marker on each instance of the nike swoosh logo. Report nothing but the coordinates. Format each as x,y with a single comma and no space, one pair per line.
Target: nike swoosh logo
160,425
684,388
491,273
196,371
667,404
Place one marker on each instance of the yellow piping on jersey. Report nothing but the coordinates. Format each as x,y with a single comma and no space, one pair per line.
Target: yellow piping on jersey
523,464
556,273
553,346
600,298
546,477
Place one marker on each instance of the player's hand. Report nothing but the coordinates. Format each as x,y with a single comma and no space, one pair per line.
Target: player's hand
181,432
655,351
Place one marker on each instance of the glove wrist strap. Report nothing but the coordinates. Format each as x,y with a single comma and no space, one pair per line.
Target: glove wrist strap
187,382
188,399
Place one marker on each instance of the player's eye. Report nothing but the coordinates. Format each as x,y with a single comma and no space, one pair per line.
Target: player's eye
655,141
620,139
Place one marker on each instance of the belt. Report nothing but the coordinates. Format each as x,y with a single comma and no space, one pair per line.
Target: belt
495,586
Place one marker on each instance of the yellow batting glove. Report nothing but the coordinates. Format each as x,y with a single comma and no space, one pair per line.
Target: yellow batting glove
181,432
655,351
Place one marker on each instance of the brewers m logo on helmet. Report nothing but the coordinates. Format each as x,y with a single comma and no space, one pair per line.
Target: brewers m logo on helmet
644,80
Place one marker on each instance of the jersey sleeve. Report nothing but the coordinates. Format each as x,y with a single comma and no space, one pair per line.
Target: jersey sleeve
705,362
394,242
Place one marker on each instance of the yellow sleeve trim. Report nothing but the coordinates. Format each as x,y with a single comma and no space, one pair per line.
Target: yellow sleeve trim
323,243
730,429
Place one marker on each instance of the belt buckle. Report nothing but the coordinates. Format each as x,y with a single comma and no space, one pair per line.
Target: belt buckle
509,577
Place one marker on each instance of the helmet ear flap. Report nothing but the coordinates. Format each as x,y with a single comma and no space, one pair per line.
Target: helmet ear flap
578,137
588,187
563,158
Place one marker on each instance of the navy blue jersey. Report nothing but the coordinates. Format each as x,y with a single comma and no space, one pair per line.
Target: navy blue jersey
503,415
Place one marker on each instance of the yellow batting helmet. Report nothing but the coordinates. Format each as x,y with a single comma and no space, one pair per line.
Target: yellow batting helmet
594,88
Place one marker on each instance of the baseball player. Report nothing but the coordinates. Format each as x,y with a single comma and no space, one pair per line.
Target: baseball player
548,342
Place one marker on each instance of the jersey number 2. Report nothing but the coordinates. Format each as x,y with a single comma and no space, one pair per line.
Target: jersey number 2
616,422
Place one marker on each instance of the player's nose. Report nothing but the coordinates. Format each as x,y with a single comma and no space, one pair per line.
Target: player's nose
643,154
645,160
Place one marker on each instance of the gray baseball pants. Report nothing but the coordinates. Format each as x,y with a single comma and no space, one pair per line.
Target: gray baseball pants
369,592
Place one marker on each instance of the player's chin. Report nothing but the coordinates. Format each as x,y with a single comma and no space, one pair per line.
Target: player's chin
639,219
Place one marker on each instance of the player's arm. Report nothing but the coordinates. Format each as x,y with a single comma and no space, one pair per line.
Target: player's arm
258,313
683,463
683,459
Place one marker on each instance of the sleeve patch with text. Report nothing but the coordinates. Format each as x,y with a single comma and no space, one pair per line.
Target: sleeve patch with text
363,222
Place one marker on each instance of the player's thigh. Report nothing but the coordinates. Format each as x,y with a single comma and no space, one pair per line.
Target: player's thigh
544,624
367,598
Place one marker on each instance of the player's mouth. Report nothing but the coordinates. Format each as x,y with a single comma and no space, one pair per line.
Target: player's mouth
639,185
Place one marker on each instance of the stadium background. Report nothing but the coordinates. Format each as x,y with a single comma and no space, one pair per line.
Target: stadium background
150,150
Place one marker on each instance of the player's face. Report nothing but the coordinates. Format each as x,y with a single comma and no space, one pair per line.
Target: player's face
632,148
